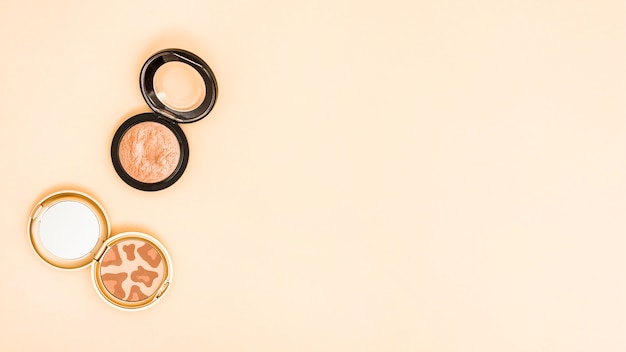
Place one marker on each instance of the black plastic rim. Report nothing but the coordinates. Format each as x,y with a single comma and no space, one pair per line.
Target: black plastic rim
182,162
146,82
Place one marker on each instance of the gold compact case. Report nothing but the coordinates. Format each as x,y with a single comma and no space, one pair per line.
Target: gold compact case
70,230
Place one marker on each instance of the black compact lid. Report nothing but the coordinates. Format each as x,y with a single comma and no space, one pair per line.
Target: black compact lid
146,82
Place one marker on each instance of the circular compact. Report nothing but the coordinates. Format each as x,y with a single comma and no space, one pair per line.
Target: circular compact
150,151
70,230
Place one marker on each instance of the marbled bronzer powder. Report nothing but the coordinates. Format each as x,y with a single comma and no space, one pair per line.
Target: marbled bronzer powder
132,270
149,152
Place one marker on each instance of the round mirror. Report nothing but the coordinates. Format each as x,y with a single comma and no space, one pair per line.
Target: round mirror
69,230
179,86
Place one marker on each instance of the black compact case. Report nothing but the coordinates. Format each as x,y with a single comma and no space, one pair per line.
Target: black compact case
165,115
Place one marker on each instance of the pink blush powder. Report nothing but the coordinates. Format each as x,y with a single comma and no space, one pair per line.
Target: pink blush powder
149,152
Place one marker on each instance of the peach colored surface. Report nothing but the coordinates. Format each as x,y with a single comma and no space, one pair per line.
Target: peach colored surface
376,176
132,270
149,152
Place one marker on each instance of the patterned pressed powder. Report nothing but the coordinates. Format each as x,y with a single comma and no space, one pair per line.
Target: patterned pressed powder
132,270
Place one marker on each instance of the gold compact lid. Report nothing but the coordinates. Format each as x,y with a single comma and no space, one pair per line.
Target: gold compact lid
132,271
67,228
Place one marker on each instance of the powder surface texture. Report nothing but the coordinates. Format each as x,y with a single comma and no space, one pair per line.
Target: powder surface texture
132,270
149,152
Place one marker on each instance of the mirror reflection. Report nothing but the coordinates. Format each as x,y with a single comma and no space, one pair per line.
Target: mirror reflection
179,86
69,230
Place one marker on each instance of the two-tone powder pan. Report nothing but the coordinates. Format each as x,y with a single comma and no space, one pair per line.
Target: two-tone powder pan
70,230
150,151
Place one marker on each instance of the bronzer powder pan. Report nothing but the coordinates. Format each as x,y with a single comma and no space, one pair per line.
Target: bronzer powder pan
70,230
150,151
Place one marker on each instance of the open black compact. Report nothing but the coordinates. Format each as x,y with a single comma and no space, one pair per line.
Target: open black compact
149,150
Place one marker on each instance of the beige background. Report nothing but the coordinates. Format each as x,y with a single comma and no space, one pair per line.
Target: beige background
376,176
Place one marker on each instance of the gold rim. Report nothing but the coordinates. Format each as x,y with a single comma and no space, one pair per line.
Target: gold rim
122,304
34,222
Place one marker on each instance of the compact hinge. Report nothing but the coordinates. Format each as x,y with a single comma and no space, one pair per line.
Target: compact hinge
100,252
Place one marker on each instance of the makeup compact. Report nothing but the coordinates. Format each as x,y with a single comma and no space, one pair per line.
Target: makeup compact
150,151
70,230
